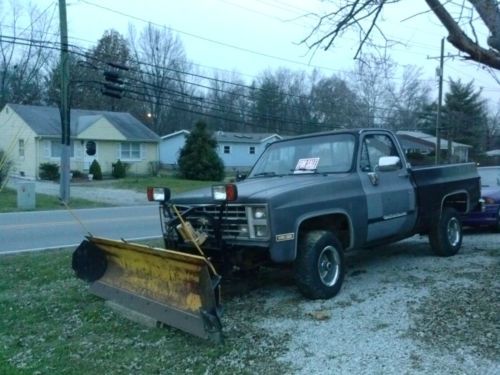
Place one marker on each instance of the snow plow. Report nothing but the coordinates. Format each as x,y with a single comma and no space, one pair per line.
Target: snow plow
177,288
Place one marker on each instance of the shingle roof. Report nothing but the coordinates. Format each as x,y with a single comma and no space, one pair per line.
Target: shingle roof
46,121
429,139
223,136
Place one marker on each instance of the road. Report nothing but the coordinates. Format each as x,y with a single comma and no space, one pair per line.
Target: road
31,231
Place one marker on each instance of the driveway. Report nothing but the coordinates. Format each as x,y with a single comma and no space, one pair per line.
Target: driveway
89,190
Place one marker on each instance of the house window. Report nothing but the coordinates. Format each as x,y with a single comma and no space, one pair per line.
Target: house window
130,151
21,148
56,147
251,150
227,149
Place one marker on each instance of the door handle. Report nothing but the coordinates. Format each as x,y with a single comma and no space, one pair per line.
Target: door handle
373,176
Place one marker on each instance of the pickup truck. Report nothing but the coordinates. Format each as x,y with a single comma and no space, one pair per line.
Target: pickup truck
311,198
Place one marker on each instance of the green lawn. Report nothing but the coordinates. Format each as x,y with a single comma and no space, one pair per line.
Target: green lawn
176,185
8,202
49,324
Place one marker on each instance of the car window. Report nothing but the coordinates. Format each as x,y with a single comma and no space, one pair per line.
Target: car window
374,147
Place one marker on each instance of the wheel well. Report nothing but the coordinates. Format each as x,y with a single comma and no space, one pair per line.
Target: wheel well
458,201
337,223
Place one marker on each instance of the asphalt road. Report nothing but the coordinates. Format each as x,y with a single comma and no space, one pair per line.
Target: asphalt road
31,231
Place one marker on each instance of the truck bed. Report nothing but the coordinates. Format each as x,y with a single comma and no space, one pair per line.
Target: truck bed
434,183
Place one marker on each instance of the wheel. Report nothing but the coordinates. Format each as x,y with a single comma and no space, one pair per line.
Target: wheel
445,236
319,266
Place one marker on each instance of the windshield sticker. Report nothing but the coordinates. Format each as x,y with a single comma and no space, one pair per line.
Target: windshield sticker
306,165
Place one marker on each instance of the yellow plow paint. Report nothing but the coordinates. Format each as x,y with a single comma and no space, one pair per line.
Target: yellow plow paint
177,289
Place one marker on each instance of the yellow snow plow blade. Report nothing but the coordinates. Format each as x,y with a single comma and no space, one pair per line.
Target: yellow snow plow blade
174,288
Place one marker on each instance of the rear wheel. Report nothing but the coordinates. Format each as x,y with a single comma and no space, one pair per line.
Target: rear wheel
445,236
319,267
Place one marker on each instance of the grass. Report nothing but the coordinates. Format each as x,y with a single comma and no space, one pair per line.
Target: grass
8,202
49,324
175,184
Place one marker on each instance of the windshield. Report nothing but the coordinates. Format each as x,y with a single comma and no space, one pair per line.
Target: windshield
490,176
321,154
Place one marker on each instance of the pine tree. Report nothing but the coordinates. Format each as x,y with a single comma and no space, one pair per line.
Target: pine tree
198,159
465,116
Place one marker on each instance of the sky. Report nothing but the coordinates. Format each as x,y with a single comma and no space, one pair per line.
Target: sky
249,36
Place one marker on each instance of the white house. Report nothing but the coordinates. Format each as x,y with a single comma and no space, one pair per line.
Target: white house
237,150
415,141
31,135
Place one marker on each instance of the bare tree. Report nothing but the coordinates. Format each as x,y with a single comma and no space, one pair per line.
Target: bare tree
372,81
407,101
163,81
25,52
362,15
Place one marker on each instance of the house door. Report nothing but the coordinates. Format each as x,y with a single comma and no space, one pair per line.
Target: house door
89,154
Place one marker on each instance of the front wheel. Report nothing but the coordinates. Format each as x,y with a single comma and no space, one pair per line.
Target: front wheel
319,267
445,236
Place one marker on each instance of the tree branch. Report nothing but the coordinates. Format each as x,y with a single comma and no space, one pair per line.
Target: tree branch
461,41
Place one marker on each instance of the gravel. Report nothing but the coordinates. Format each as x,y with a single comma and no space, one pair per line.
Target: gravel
401,311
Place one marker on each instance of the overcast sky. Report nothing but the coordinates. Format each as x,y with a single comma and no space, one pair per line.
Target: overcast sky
249,36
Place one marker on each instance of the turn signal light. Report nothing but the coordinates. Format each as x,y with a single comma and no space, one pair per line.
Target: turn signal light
157,194
228,192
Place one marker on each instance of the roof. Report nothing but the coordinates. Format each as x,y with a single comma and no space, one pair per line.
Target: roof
46,121
429,139
223,136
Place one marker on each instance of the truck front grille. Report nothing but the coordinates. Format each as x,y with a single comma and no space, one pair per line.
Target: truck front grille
235,220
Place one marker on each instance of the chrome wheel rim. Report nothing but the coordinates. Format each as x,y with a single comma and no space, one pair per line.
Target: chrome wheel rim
453,231
329,265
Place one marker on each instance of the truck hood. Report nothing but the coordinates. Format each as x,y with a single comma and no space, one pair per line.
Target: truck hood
261,189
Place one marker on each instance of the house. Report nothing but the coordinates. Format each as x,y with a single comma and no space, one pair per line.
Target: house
237,150
31,135
418,142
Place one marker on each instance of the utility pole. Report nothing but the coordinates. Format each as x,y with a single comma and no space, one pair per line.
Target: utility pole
64,106
440,98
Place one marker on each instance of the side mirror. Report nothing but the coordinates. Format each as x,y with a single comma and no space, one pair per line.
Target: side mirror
389,163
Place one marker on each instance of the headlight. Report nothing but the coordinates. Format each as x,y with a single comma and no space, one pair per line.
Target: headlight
259,213
260,231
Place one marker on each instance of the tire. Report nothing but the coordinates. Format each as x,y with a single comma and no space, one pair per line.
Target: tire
446,234
319,266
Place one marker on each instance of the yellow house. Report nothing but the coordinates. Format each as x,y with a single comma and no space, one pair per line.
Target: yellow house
31,135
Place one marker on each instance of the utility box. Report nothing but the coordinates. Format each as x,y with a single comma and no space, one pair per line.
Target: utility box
26,197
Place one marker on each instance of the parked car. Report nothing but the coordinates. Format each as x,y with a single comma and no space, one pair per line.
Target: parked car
490,192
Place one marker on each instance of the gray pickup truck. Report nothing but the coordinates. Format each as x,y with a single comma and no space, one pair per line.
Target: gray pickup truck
311,198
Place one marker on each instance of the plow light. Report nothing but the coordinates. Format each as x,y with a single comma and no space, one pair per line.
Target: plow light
227,192
158,194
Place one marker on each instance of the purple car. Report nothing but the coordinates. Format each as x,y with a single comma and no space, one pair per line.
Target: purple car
490,192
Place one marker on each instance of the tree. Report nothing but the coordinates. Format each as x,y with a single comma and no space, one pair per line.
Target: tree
362,16
162,84
334,103
198,159
372,80
24,53
408,101
465,119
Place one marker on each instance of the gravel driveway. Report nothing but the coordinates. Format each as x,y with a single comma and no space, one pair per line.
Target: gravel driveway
401,311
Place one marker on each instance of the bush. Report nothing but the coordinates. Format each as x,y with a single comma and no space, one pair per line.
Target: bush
49,171
95,170
119,169
77,174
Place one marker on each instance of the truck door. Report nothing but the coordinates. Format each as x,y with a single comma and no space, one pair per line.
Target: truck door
390,195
